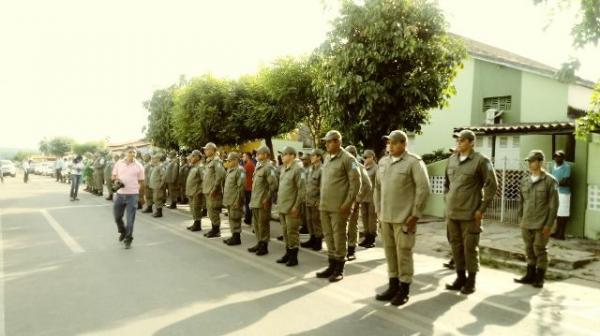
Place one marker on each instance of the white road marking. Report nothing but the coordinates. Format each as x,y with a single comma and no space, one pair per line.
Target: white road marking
64,235
2,324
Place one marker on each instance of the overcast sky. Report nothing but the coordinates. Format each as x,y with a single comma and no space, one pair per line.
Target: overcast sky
82,69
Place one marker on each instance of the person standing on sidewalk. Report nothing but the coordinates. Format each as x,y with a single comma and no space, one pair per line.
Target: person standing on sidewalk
367,206
233,197
290,196
77,168
313,196
157,183
365,191
469,188
107,173
147,163
26,170
249,167
184,169
538,208
193,189
99,164
340,184
130,174
212,187
264,185
562,173
171,179
401,176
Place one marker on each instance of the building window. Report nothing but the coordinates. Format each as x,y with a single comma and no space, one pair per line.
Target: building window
503,142
594,197
516,141
437,184
498,103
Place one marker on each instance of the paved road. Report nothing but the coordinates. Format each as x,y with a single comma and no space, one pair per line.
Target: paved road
62,272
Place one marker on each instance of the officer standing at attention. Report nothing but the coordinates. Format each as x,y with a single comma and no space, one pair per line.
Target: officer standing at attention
98,166
212,187
108,175
193,189
313,196
538,209
340,184
365,192
233,197
264,186
184,169
171,179
148,191
367,206
157,183
401,192
469,188
290,197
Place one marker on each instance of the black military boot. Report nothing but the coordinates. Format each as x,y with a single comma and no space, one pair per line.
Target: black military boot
254,248
338,271
309,243
469,287
303,229
234,240
158,213
539,278
529,277
196,226
293,260
449,264
109,198
365,240
351,256
458,284
173,206
402,296
390,292
285,257
148,209
318,244
213,233
326,273
263,249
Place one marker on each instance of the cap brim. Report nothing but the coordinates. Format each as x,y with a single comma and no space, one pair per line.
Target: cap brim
386,137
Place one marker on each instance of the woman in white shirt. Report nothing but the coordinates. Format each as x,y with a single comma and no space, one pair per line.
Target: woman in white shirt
76,170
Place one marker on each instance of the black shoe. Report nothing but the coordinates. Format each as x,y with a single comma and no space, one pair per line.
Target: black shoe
368,241
390,292
280,238
458,284
293,260
122,236
139,206
326,273
338,271
158,213
128,244
234,240
351,256
215,232
254,248
109,198
449,264
365,240
148,209
304,229
309,243
539,278
285,257
262,249
469,287
173,206
318,244
402,295
195,227
529,277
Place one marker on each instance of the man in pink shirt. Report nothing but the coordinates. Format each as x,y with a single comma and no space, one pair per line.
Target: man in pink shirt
129,175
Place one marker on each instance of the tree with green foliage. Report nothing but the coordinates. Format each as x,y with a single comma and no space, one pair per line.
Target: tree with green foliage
89,147
22,156
160,108
590,123
386,64
59,146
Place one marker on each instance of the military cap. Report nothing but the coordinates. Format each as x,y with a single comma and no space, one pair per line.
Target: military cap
263,149
352,150
196,152
368,153
210,145
535,155
233,156
332,135
396,135
317,151
465,134
288,150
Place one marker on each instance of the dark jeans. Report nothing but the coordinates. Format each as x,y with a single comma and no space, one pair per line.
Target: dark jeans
26,176
75,180
247,211
58,176
122,202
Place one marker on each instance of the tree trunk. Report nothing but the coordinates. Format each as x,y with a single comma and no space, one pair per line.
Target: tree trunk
269,143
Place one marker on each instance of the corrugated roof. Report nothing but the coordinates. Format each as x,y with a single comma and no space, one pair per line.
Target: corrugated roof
500,56
552,127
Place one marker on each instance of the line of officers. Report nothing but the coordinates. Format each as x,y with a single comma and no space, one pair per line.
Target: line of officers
331,192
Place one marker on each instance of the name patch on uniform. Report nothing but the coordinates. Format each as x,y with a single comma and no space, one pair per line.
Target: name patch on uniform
354,166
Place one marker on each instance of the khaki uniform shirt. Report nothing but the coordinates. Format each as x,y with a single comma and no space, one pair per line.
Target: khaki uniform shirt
193,183
372,173
233,194
539,202
264,183
340,181
313,186
366,187
172,171
214,176
291,188
401,188
157,178
470,185
108,171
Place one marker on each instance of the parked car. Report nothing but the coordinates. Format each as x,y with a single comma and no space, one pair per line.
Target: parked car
8,168
48,168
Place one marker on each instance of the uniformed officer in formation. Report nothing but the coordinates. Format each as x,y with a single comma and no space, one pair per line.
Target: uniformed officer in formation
312,197
108,175
184,169
264,186
98,166
171,179
365,192
290,197
469,188
400,196
193,189
233,197
340,184
367,206
212,187
157,183
538,211
147,191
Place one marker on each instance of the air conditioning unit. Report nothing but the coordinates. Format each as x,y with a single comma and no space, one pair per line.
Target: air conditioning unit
492,116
